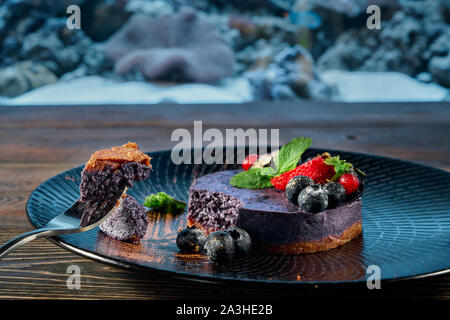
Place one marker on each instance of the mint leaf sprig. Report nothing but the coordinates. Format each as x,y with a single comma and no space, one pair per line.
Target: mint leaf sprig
162,202
286,159
251,179
341,167
290,154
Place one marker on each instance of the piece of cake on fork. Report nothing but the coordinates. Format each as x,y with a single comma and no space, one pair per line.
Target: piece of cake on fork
109,171
128,222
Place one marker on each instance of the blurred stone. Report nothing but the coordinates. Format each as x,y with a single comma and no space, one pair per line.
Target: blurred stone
79,72
61,50
440,69
290,74
269,27
3,29
405,43
53,25
350,8
103,18
183,47
243,24
96,60
10,45
68,59
22,77
281,92
15,8
37,46
424,77
413,40
440,46
51,65
250,4
151,8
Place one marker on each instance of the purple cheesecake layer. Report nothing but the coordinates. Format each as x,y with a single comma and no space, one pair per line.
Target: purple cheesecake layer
128,222
265,213
285,228
108,184
213,210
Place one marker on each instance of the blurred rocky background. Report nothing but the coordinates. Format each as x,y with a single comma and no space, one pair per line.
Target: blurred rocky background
282,49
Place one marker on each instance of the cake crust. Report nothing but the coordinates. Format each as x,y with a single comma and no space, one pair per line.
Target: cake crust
326,243
116,156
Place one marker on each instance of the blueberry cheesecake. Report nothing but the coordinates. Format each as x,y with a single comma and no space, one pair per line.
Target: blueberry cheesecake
288,207
128,222
108,172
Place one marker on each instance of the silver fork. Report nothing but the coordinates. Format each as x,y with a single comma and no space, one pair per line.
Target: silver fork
80,217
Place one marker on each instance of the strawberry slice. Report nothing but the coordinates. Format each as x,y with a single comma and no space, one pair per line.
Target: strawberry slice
315,168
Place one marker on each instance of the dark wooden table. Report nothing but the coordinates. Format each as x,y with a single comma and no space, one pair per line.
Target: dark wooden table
39,142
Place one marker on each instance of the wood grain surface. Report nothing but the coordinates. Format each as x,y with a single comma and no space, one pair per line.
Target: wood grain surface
39,142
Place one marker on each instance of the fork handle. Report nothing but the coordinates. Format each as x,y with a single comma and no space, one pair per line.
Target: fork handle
25,238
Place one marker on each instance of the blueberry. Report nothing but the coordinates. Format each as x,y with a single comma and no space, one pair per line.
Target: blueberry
336,193
191,240
313,199
242,241
295,186
220,247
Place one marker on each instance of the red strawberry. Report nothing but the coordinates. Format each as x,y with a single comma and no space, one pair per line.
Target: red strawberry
249,161
315,168
350,182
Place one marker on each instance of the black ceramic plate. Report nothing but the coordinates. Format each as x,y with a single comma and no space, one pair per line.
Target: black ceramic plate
406,227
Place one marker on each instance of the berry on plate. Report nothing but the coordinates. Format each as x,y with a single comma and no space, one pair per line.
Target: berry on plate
350,182
220,247
249,161
336,194
295,186
358,193
191,240
242,241
313,199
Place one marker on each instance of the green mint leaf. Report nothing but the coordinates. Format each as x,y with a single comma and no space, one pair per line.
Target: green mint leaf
286,159
290,154
340,166
268,171
251,179
164,203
